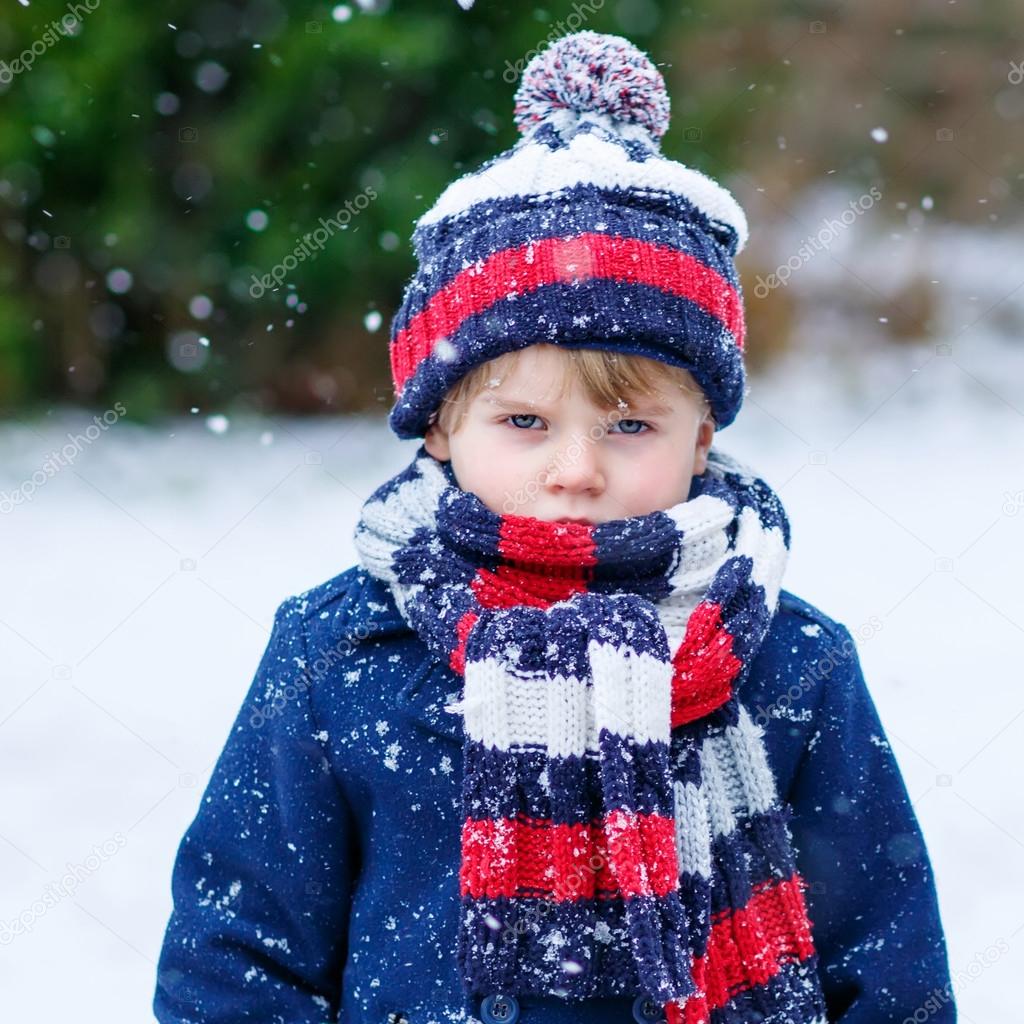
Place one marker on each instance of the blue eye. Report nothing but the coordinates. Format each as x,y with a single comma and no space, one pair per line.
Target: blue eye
522,416
639,423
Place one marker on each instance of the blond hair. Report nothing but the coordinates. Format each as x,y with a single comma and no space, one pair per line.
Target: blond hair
607,378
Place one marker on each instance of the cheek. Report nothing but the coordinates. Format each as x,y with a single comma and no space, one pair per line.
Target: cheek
488,461
663,471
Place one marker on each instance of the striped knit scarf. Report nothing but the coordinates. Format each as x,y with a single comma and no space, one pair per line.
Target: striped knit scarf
622,834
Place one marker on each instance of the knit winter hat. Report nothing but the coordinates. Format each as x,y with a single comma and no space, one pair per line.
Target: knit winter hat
582,235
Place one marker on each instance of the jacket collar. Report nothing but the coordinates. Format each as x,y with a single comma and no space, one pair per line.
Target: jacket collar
367,611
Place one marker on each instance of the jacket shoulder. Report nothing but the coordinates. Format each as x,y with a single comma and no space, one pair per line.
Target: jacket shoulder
801,637
352,605
803,650
794,613
316,599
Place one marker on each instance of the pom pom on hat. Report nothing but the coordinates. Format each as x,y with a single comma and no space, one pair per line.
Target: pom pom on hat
588,72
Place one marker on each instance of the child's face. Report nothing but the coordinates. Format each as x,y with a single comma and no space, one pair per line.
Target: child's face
524,450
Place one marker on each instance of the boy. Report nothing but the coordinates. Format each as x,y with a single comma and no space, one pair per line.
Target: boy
505,767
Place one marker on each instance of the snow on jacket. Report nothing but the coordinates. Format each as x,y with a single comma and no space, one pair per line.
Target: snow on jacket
319,880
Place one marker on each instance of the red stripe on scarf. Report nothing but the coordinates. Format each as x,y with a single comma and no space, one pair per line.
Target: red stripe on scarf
535,857
748,947
532,541
704,665
457,661
506,587
527,541
552,260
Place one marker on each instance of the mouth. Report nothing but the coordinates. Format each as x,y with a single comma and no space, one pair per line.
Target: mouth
581,522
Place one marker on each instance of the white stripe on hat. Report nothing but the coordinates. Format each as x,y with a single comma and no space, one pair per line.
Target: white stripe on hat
531,169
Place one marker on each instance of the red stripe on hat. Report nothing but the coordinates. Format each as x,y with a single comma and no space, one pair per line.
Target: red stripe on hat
704,665
748,947
625,855
553,260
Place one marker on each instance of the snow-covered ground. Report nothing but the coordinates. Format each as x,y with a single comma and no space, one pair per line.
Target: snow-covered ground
142,580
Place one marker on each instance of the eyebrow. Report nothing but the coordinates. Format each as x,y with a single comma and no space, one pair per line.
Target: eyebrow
507,403
649,407
646,406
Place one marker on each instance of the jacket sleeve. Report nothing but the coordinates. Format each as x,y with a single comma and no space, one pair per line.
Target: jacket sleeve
262,877
871,896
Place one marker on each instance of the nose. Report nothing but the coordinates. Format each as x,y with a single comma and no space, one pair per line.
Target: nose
576,471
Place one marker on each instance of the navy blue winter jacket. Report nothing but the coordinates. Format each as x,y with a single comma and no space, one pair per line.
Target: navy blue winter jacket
319,880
